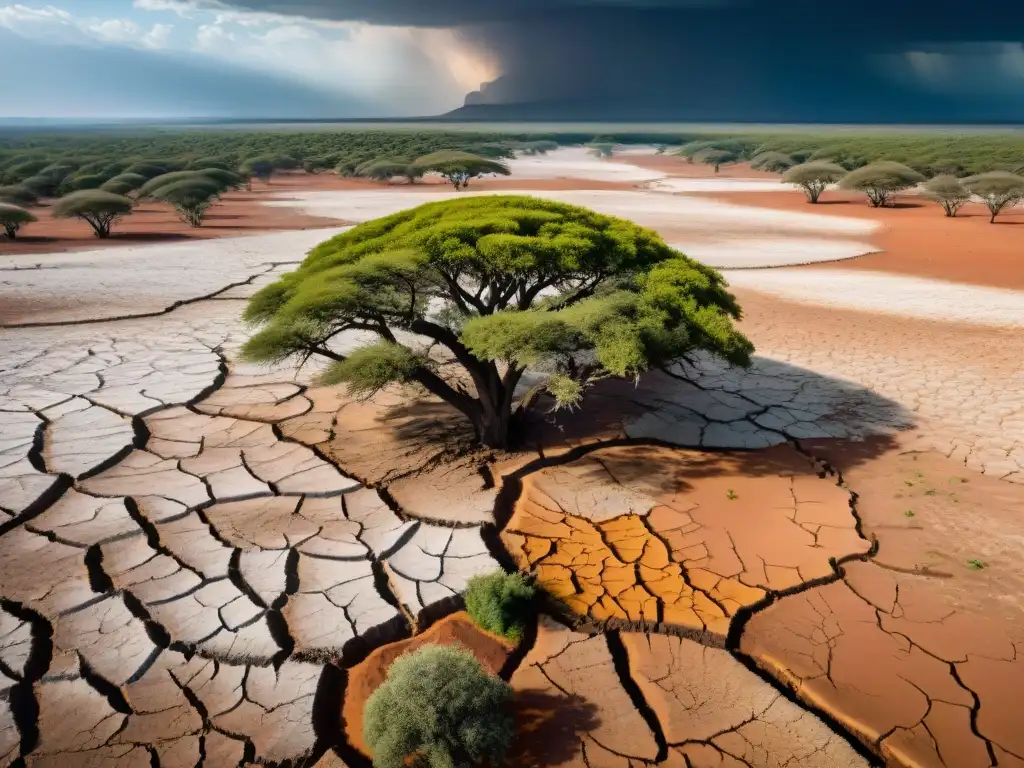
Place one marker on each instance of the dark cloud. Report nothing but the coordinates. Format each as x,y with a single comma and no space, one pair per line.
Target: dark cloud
762,60
123,82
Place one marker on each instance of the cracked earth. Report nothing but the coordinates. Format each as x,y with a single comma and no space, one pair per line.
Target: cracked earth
812,563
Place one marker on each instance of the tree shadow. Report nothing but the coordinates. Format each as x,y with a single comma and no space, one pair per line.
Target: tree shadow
728,409
712,409
548,728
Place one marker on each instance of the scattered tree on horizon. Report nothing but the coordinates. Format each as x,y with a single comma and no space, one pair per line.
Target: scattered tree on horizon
385,170
773,162
100,209
602,149
715,157
12,218
261,168
458,168
880,181
439,707
491,286
190,197
947,191
814,178
691,148
999,190
538,147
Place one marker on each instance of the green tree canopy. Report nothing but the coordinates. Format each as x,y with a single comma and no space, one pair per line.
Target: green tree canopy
384,170
880,181
224,179
602,148
690,149
999,190
86,181
124,183
947,191
261,168
773,162
100,209
12,218
459,167
202,163
541,147
147,169
439,708
500,284
41,186
24,170
715,157
190,197
165,179
15,194
814,177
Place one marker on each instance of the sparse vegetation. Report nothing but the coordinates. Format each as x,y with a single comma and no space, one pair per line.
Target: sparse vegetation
15,194
12,218
976,565
190,197
773,162
602,148
880,181
458,168
438,708
947,191
813,178
999,190
909,513
716,158
100,209
731,495
501,603
496,285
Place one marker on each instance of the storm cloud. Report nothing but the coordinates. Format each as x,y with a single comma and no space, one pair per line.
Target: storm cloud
757,60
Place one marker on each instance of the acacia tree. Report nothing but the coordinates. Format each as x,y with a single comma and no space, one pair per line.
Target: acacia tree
773,162
947,191
439,708
690,149
385,170
15,194
100,209
458,168
813,178
490,286
602,149
880,181
12,218
999,190
715,157
190,198
261,168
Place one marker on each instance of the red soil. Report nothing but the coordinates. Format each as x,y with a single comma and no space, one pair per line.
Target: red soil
239,213
918,239
364,678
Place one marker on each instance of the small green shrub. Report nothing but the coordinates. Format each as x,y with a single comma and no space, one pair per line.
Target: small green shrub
438,708
501,603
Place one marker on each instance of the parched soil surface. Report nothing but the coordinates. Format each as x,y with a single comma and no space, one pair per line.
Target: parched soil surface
366,677
917,238
191,547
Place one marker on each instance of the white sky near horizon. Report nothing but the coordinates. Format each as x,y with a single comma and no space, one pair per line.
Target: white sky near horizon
357,69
